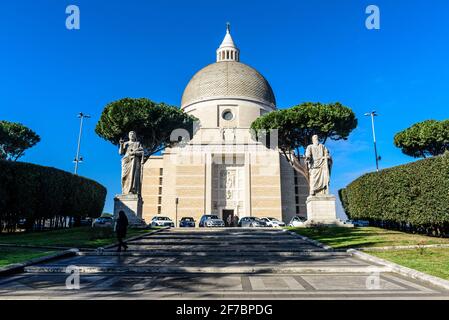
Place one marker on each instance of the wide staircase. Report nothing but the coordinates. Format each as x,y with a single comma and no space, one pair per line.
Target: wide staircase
220,263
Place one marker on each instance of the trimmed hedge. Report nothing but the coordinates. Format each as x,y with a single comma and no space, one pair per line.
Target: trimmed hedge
412,197
37,193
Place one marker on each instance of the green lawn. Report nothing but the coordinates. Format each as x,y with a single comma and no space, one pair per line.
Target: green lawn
345,238
16,255
434,261
82,237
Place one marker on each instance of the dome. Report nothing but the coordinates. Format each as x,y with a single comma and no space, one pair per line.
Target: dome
225,80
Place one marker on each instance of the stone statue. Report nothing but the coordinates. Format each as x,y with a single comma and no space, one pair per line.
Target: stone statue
132,160
319,163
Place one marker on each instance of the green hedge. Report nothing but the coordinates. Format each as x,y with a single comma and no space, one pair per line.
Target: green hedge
36,193
412,197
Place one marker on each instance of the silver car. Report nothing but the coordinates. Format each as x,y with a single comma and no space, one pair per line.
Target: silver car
211,220
249,222
161,221
273,222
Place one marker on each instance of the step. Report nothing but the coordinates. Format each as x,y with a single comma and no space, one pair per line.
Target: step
221,236
161,269
224,242
165,253
259,250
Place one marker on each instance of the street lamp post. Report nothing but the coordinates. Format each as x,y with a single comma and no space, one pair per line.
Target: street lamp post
373,114
176,219
79,159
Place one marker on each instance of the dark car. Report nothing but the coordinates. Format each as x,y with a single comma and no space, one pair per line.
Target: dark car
211,220
103,222
187,222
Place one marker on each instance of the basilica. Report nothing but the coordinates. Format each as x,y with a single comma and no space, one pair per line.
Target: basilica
222,169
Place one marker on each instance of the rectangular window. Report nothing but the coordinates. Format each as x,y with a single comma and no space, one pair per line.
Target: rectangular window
161,172
159,210
160,190
297,209
159,200
160,181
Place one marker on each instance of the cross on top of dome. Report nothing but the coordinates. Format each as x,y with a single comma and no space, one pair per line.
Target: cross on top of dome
228,51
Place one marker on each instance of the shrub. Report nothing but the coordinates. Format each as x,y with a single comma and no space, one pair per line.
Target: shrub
412,197
37,193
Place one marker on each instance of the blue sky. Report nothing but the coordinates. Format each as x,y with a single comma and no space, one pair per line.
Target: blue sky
308,50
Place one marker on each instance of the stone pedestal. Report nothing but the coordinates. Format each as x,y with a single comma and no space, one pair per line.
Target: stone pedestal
321,209
132,205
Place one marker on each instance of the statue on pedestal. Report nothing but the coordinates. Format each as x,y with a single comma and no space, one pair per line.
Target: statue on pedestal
133,156
319,163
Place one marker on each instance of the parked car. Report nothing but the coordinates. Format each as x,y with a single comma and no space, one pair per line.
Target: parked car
211,220
297,221
273,222
161,221
358,223
187,222
103,222
86,222
250,222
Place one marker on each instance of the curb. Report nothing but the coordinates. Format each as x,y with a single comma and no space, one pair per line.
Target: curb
7,245
140,236
20,267
412,273
437,246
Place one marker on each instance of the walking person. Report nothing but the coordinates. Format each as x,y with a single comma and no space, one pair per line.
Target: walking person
229,221
235,222
121,227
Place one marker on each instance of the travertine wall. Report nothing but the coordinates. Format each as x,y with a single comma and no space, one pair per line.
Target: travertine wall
150,187
266,185
294,192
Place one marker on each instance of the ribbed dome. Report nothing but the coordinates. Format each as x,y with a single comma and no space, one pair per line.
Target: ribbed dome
228,79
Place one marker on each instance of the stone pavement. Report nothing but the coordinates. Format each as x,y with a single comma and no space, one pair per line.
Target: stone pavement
220,263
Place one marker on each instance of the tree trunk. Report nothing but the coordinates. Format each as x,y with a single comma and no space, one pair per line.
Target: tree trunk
296,164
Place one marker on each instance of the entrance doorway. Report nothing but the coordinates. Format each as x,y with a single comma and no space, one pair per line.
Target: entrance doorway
228,217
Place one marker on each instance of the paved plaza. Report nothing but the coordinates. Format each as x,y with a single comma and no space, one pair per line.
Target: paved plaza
228,263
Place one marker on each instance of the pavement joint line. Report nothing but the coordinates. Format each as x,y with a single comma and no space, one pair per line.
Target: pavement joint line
304,283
